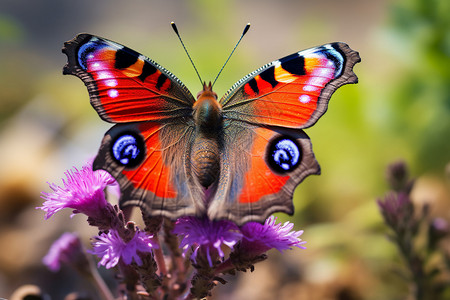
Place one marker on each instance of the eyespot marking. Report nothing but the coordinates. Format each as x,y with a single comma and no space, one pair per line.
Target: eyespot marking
128,149
86,52
284,154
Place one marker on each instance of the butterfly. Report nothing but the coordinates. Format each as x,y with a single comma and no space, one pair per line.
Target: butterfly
238,158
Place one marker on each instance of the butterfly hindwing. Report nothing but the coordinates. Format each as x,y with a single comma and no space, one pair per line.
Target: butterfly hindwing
293,91
125,86
149,162
260,168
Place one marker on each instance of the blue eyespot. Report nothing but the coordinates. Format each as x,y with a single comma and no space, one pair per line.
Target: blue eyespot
331,53
128,149
284,154
86,51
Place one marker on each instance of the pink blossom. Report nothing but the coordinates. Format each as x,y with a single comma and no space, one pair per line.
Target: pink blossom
67,249
82,191
110,248
259,238
209,235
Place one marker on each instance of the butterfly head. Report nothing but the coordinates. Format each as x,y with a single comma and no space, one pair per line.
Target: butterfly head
207,110
207,92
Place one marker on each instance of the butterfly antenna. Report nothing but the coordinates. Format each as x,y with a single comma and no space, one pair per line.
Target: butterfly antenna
174,27
247,27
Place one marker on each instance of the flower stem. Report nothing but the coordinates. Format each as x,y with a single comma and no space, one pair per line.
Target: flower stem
100,284
130,279
224,267
159,257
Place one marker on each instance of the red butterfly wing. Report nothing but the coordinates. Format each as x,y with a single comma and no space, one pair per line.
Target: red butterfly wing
260,169
266,154
149,162
293,91
125,86
147,152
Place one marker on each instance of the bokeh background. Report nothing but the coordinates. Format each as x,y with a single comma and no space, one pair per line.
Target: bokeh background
400,109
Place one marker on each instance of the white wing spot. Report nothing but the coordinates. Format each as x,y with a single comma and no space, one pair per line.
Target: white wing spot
113,93
111,82
304,98
104,75
96,66
310,88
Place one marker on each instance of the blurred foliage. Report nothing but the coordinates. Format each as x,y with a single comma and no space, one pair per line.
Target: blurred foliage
420,33
10,29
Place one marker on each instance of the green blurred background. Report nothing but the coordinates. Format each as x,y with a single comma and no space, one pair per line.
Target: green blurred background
399,110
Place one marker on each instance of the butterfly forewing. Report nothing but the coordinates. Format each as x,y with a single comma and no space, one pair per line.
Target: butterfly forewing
125,86
293,91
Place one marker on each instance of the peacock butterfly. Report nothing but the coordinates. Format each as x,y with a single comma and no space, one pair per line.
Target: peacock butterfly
239,158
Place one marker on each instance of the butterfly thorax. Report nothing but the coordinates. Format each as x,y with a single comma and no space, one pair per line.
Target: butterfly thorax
205,159
207,110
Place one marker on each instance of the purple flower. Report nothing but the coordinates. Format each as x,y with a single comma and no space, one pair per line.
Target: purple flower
397,210
209,236
259,238
110,248
83,191
67,249
397,176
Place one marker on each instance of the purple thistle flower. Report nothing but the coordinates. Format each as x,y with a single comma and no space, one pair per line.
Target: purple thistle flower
67,249
110,248
259,238
83,191
397,210
201,233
